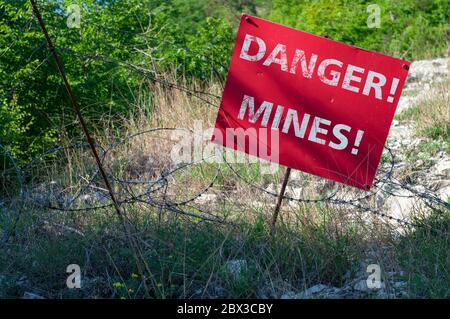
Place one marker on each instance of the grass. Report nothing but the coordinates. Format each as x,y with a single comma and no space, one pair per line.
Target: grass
426,150
431,116
183,256
426,265
188,257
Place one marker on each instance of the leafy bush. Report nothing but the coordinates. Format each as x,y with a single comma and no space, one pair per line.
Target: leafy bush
119,45
412,29
122,45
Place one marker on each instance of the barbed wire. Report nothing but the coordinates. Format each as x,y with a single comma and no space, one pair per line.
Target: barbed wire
149,74
153,192
151,197
428,196
161,182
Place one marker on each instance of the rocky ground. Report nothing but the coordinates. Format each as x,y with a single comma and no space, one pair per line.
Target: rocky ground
431,175
425,174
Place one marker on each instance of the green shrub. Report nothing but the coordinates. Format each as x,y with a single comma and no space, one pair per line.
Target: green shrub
121,45
410,29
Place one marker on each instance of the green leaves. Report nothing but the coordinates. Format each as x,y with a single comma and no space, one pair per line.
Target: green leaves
156,35
408,29
192,38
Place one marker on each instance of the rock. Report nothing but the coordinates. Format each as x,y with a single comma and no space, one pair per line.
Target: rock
31,295
319,290
204,199
404,103
271,188
400,136
428,70
361,285
235,267
338,293
316,289
289,295
398,202
419,163
401,206
442,168
400,285
357,290
444,193
86,198
294,192
296,175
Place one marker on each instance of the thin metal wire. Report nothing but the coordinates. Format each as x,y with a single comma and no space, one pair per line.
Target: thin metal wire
381,186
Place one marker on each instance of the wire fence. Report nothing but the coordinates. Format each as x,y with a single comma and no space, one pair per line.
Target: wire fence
153,192
166,189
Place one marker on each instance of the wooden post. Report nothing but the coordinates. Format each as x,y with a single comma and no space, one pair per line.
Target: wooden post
280,199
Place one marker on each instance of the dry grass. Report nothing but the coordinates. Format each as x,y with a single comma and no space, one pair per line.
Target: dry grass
431,116
314,243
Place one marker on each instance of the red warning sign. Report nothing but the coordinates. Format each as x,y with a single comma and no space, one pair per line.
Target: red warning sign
330,104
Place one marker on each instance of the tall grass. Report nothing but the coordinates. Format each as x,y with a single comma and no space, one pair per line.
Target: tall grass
188,257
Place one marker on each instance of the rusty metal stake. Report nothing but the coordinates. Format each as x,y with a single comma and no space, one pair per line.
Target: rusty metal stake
90,140
280,199
76,107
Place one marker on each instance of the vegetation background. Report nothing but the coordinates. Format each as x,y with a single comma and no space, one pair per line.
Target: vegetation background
124,63
192,38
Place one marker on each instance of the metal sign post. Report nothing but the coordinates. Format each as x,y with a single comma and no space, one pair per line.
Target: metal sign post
280,199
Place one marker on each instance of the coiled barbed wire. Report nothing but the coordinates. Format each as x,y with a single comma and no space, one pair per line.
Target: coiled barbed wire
381,186
153,186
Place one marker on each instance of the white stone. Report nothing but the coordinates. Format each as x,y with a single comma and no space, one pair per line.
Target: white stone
316,289
319,289
31,295
444,193
361,285
235,267
442,168
294,192
289,295
428,70
205,199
